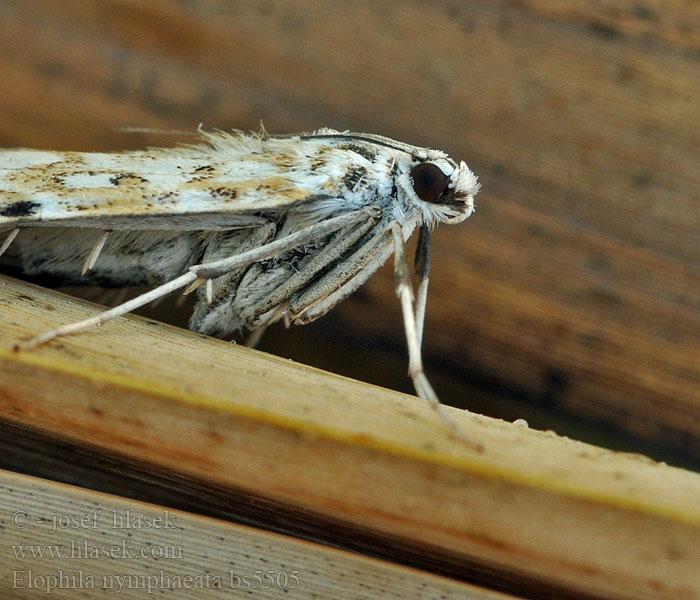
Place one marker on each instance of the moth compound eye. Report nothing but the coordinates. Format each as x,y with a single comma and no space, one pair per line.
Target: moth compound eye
429,182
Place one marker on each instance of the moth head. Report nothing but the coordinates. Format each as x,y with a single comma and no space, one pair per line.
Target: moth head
442,189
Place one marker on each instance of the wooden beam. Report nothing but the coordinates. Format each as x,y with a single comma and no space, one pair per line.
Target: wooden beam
526,502
69,542
570,296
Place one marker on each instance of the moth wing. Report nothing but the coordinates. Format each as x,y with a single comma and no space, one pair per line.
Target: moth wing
183,188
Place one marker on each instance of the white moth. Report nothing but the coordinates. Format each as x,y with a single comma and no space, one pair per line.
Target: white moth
277,227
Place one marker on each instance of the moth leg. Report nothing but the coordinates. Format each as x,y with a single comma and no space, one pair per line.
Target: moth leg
341,243
8,240
212,270
421,265
225,265
113,297
255,336
404,290
204,272
95,252
108,315
344,278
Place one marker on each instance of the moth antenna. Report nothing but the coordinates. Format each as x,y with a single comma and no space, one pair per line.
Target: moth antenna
8,240
95,252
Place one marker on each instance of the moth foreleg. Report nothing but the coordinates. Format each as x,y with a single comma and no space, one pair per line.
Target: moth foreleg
8,240
421,265
404,290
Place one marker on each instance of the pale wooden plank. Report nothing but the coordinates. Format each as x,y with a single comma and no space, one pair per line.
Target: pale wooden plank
527,502
572,290
67,542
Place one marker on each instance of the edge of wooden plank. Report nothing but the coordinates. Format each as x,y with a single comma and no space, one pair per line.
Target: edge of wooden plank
75,540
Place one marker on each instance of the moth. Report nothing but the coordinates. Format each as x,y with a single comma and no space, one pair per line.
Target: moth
264,228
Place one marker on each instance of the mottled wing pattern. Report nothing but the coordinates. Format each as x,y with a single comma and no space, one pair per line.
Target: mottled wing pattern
192,188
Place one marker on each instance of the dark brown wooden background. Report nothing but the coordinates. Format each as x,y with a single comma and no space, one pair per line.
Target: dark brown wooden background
571,297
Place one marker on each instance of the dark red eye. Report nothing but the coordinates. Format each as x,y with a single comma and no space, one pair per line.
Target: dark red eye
429,182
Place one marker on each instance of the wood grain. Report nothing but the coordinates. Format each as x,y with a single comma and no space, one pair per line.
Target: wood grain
523,503
161,551
571,297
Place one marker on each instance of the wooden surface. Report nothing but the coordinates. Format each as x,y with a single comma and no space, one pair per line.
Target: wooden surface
163,551
571,297
525,504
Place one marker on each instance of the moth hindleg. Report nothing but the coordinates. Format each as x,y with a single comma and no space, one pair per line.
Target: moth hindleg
203,272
